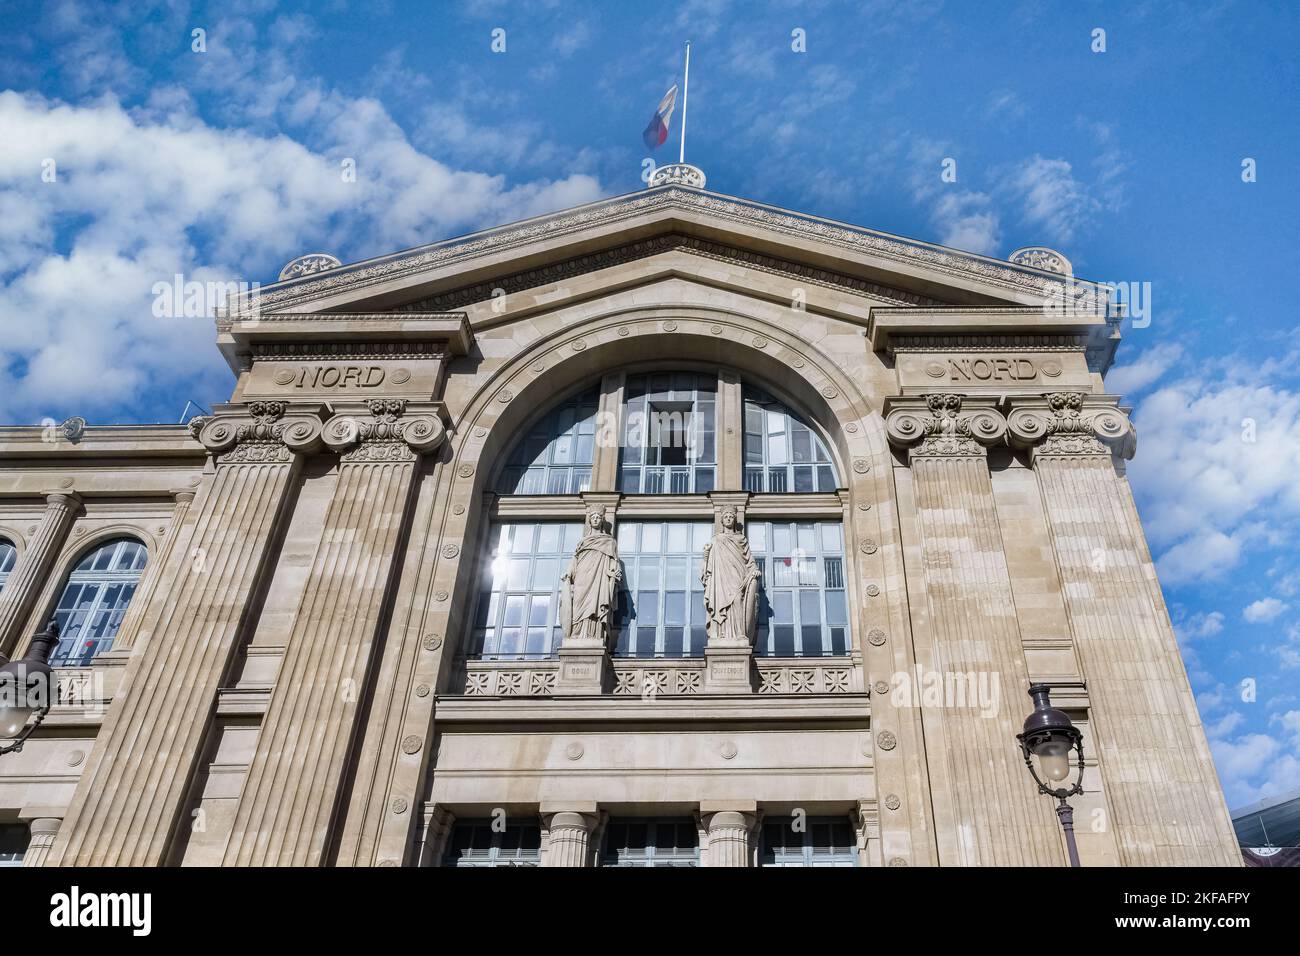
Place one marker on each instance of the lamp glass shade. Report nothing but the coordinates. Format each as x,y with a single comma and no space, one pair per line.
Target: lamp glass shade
13,719
1054,759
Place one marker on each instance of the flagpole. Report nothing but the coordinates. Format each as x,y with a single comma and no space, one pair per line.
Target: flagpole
686,92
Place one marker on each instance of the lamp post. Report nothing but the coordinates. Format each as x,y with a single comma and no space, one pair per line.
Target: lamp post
1048,738
27,691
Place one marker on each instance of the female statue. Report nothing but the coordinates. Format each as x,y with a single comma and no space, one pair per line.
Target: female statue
730,577
589,589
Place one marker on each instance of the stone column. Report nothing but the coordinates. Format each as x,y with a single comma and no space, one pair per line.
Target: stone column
1165,802
130,800
124,643
570,837
291,792
728,834
43,830
729,666
973,697
34,565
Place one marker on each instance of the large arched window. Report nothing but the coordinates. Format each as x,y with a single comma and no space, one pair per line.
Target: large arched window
95,599
781,452
555,457
8,557
683,433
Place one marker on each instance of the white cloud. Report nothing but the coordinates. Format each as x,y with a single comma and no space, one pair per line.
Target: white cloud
1145,369
1201,625
967,221
1263,610
143,195
1218,452
1052,199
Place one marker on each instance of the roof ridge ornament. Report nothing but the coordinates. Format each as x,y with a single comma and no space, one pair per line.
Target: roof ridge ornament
1041,257
306,265
677,174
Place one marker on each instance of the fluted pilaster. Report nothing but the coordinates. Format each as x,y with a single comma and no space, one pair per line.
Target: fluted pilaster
974,692
129,803
34,566
290,794
1165,801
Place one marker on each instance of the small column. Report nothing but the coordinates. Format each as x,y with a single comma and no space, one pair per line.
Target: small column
589,600
729,832
287,806
729,653
994,817
24,584
1166,806
131,797
570,836
44,830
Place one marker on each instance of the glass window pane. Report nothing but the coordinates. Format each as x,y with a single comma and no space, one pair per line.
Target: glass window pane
95,599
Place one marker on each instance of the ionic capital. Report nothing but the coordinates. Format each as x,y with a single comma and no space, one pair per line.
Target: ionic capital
944,425
1071,424
259,432
383,430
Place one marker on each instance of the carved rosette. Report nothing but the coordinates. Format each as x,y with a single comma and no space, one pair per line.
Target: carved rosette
259,432
1064,424
383,432
941,429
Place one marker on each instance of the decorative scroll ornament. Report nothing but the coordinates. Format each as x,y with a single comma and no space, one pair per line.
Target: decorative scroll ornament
1041,257
1064,424
309,264
678,174
259,432
942,429
388,434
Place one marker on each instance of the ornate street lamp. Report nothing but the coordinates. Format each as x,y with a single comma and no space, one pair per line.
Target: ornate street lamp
27,691
1048,739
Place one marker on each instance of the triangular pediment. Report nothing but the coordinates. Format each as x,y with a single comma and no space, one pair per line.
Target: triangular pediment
882,269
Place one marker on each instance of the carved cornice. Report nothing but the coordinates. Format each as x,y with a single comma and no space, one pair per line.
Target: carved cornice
338,351
560,271
1011,277
1071,424
1045,342
259,432
381,430
938,426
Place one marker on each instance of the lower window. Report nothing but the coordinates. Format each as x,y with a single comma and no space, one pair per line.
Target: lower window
808,842
14,838
476,843
671,842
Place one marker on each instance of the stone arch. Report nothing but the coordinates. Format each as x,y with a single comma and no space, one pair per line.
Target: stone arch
556,365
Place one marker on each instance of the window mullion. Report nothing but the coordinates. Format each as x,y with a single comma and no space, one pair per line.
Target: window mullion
731,432
609,426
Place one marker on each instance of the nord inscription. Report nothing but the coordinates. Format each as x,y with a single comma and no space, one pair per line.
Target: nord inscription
991,370
335,376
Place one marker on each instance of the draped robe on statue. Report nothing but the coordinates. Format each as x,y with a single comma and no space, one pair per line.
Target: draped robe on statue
591,589
730,578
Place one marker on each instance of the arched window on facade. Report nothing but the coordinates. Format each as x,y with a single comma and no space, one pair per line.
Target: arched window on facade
8,557
95,599
680,432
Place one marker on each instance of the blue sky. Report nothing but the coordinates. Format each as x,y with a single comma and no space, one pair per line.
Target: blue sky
224,164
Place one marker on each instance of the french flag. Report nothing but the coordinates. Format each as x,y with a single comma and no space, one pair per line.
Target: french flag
657,131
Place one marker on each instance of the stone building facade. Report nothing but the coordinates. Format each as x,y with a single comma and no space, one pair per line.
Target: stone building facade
340,620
